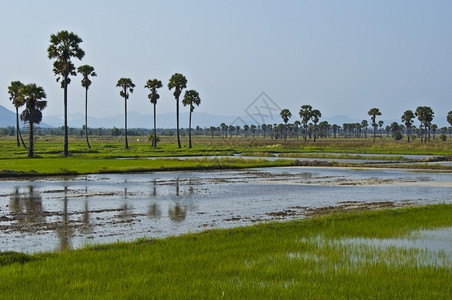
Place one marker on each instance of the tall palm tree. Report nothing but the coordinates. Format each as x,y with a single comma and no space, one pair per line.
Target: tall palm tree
32,96
305,115
86,71
63,46
153,85
316,115
126,86
191,98
407,119
15,97
178,82
373,113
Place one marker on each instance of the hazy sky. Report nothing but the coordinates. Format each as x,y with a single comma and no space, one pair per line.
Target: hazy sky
342,57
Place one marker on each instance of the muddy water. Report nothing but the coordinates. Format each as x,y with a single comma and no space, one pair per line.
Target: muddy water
68,212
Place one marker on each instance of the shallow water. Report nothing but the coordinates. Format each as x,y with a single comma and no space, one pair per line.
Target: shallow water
68,212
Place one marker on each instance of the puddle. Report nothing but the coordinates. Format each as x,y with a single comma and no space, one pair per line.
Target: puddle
433,247
55,213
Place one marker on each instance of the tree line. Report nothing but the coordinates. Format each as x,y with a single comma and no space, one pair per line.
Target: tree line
65,46
309,126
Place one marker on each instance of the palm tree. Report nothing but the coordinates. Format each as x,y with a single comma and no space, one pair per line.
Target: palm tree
316,115
126,86
305,115
86,71
15,97
178,82
153,85
246,128
191,98
364,125
285,115
425,115
63,46
407,119
31,95
253,129
373,113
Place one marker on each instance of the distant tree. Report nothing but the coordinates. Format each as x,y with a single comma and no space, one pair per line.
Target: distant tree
231,129
126,86
373,113
364,125
449,117
212,131
191,98
224,130
246,128
63,46
425,116
434,128
285,115
316,115
335,128
305,115
86,71
407,119
178,82
15,97
264,129
153,85
253,130
32,96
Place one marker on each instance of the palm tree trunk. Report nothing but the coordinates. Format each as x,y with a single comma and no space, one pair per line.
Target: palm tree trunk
189,130
154,142
177,122
30,149
86,118
17,127
125,122
21,139
66,141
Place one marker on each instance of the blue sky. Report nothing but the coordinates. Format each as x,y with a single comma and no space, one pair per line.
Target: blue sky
342,57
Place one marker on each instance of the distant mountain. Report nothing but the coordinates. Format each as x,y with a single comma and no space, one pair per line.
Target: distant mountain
138,120
8,118
168,120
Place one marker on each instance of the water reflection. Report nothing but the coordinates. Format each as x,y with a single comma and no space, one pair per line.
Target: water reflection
87,227
64,230
177,213
27,208
154,211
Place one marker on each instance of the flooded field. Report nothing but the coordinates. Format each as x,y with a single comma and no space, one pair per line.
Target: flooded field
49,214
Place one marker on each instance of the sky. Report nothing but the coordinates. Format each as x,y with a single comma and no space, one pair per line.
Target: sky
341,57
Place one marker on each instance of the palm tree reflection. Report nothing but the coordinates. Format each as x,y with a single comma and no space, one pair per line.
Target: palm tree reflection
27,208
65,231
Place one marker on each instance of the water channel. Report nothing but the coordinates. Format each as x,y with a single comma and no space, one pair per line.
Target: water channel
51,214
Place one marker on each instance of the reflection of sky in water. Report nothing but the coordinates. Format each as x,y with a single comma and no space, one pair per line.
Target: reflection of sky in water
54,213
435,245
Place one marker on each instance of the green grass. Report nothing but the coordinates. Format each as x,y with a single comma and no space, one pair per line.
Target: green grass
104,154
302,259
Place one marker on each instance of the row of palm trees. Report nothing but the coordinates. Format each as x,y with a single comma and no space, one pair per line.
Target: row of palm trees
424,114
64,46
177,82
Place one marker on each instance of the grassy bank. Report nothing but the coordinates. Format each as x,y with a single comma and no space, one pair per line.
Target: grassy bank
109,155
290,260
